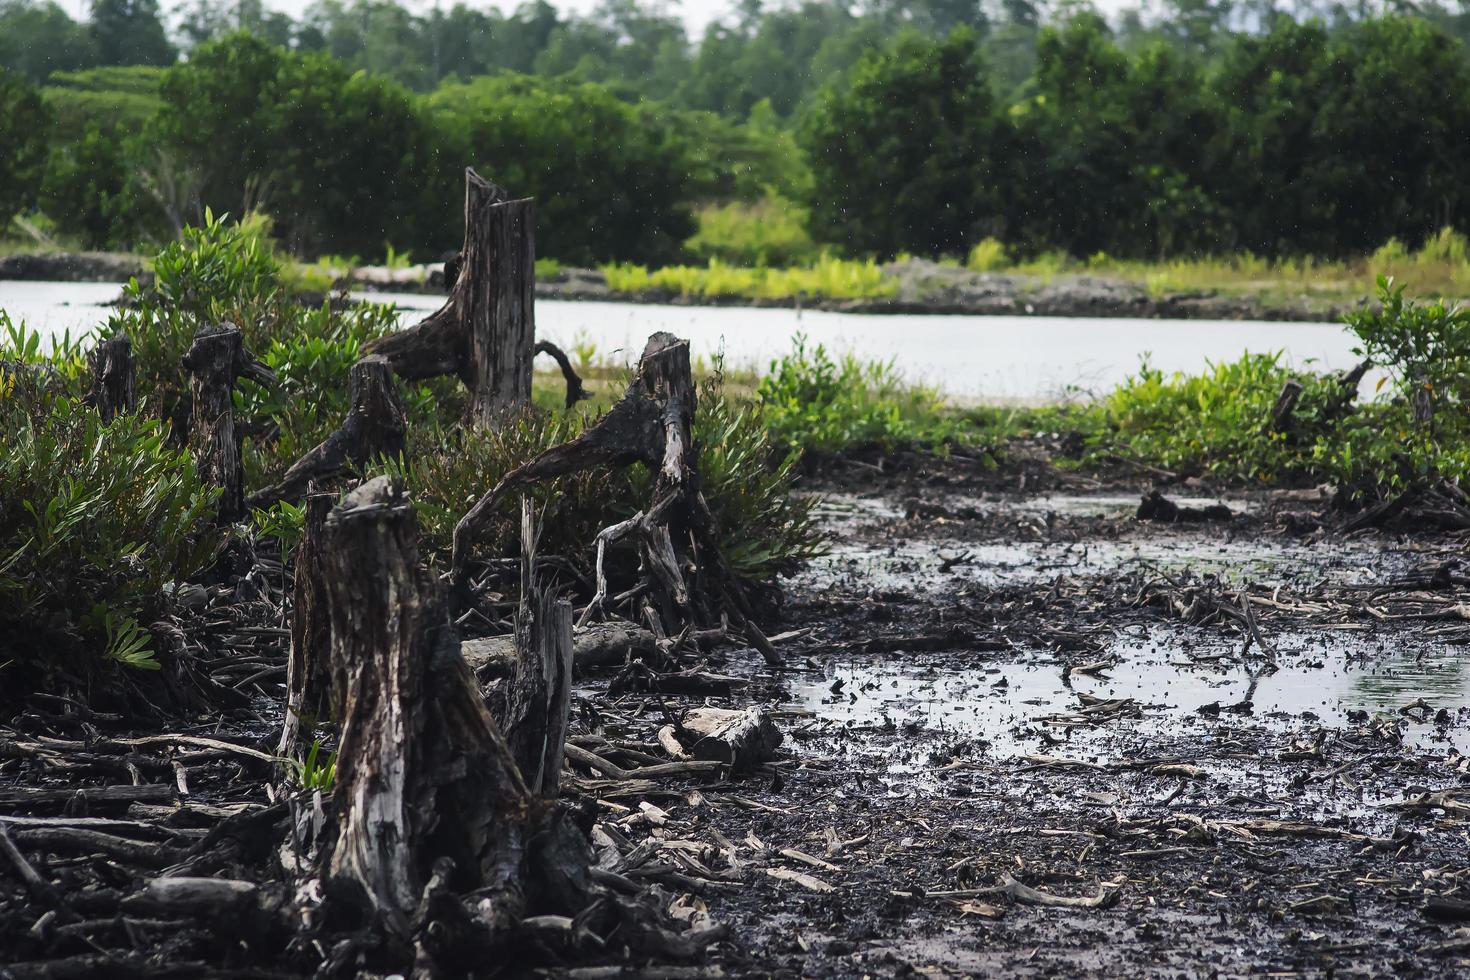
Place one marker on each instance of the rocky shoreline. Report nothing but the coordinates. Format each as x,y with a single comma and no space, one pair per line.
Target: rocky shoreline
923,288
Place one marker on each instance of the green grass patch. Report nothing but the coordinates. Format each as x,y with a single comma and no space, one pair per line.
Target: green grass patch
826,278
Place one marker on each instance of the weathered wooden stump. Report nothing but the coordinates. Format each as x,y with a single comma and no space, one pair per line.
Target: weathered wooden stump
1285,407
114,378
215,360
533,706
375,426
309,688
486,334
429,800
677,537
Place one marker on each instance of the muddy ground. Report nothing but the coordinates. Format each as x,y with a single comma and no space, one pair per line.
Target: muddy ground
1026,734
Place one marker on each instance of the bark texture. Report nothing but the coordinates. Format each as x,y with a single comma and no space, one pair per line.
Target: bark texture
429,800
1285,408
114,378
215,360
533,706
486,333
308,672
593,645
741,740
575,391
375,426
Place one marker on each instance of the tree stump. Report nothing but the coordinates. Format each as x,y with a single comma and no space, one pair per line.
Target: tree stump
375,426
309,684
428,797
114,379
215,360
1285,407
652,424
486,333
533,706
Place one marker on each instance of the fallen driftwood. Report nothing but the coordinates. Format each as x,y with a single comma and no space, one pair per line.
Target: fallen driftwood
741,740
593,645
375,426
652,424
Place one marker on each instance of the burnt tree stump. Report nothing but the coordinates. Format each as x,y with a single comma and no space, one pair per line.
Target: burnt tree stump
215,360
375,426
114,378
540,686
1285,407
429,801
677,537
309,683
486,333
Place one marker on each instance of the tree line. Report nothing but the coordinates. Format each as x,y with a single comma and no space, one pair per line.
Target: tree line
925,128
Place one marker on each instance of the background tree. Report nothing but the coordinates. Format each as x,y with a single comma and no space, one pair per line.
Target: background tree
23,122
343,161
903,158
37,39
609,177
129,32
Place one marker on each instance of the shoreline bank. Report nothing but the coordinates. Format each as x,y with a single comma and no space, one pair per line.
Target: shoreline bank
921,288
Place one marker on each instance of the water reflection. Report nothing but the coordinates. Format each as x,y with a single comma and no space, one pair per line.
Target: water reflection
1323,679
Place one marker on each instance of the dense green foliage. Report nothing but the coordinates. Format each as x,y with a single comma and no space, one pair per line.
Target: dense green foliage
344,161
619,196
1188,130
1411,432
811,402
95,520
1297,141
904,158
23,120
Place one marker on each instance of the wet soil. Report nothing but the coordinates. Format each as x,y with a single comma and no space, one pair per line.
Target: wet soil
1026,734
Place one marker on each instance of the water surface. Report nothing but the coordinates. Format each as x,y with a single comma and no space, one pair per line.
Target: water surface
1000,358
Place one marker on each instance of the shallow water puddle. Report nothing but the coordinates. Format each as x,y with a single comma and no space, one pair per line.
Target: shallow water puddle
1321,680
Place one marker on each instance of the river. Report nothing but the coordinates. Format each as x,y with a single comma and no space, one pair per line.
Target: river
992,358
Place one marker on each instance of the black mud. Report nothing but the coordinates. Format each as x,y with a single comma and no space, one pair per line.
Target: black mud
1027,734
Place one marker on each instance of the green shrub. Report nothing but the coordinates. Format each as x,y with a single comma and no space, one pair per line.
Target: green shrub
95,520
1421,345
811,402
746,482
770,232
1217,422
988,255
231,272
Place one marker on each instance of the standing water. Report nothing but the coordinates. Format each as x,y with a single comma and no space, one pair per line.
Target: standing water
1003,358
